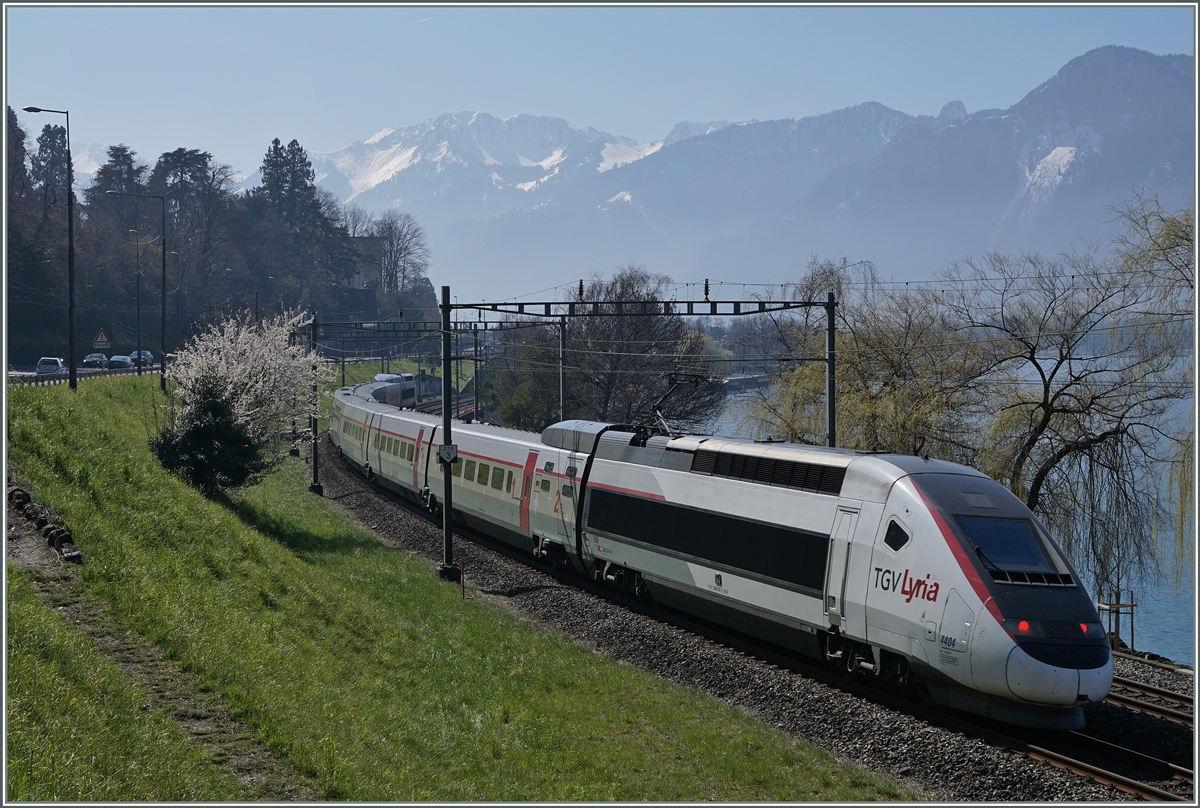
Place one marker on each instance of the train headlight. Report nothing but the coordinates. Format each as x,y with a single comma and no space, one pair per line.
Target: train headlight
1023,628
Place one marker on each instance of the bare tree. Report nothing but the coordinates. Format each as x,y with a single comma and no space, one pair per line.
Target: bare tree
405,254
622,366
357,220
1085,384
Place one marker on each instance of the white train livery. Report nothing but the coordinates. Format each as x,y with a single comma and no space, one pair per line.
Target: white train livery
920,571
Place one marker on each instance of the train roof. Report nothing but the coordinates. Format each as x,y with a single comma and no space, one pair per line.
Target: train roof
859,475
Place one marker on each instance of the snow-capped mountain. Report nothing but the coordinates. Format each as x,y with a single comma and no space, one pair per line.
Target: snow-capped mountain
528,202
1039,176
470,165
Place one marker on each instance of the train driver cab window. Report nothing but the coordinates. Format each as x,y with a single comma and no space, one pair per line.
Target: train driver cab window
456,469
896,537
484,470
1007,544
498,478
469,471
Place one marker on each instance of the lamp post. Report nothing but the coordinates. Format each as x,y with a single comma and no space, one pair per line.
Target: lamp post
137,271
178,295
162,331
70,248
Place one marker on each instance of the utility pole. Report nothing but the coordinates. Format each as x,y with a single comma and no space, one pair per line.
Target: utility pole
830,385
562,368
447,453
316,487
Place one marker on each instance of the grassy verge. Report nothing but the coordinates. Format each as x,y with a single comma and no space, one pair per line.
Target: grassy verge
79,730
354,664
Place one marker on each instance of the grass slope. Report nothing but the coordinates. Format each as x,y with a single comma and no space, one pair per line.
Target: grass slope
353,662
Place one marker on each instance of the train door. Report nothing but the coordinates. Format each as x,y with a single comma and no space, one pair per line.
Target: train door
370,439
564,500
839,560
527,488
416,466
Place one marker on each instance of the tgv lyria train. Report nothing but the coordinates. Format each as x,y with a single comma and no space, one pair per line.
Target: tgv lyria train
920,571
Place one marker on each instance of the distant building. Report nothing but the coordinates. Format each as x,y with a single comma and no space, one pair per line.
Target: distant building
370,264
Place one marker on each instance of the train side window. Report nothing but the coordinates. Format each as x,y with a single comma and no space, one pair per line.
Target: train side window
456,471
896,537
375,441
508,487
410,451
469,471
482,477
498,478
568,491
549,467
546,484
397,446
571,472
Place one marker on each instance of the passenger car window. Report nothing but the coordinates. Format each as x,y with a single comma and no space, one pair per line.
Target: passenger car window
482,477
456,469
568,491
469,471
546,484
896,536
410,451
498,478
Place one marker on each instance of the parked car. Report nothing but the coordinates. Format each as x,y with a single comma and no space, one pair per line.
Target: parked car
147,358
51,364
95,360
119,362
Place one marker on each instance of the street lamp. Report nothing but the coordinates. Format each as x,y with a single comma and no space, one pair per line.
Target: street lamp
138,272
162,331
178,296
70,247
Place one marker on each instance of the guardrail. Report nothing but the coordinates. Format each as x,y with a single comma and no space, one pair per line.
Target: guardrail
26,379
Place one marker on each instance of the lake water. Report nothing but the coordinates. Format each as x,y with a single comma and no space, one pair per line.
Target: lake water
1165,617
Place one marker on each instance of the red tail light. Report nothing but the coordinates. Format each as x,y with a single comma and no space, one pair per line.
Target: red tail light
1083,626
1023,626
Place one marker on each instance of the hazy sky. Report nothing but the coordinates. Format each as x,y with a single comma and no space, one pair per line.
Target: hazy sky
228,79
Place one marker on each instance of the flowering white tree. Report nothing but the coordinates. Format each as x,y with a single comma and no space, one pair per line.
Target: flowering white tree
236,386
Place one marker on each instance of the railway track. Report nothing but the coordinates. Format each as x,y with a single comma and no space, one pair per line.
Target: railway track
1125,769
1148,699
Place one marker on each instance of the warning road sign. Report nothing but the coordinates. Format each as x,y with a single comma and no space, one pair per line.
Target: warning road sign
101,340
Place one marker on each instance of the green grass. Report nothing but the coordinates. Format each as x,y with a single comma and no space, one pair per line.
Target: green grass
79,730
355,664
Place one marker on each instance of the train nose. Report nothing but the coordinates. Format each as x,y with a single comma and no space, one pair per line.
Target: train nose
1059,674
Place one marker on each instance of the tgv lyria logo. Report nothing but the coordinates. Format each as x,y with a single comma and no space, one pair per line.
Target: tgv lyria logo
919,588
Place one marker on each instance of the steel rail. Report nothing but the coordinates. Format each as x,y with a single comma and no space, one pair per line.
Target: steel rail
790,662
1183,699
1130,703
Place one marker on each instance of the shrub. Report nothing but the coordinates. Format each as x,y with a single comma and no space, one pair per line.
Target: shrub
235,387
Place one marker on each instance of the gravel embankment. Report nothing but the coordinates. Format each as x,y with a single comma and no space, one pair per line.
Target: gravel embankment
942,764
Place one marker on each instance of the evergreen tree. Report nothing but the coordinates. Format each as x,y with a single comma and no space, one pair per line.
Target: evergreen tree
48,167
19,182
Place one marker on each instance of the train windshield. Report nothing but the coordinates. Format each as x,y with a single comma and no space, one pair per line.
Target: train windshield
1007,544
